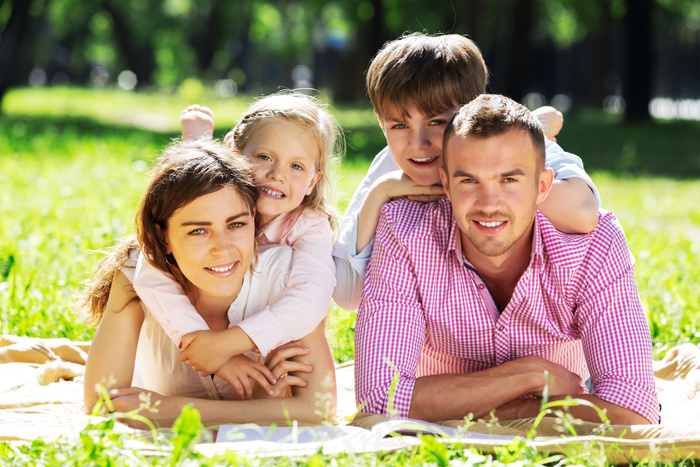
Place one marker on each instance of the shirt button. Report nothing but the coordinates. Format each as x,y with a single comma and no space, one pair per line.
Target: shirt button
481,286
501,327
166,322
175,333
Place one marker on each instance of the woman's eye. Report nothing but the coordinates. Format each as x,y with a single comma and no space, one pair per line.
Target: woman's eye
197,232
236,225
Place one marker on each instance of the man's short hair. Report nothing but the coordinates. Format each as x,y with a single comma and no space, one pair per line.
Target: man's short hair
435,73
492,115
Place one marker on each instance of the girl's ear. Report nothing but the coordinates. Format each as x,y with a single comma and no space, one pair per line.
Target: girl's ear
313,182
163,239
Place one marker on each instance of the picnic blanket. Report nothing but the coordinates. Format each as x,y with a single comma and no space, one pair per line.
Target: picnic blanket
41,394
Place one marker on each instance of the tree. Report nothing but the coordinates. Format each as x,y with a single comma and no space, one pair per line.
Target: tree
639,60
11,39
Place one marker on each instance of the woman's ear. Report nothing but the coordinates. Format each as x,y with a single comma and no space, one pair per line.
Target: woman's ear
163,239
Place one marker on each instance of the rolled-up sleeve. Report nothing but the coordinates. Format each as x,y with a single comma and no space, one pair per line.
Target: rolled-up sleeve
614,330
390,330
566,165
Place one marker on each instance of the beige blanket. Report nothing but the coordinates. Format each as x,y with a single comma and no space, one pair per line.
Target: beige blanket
41,396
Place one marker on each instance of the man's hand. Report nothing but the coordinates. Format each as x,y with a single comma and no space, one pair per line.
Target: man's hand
204,351
559,380
242,373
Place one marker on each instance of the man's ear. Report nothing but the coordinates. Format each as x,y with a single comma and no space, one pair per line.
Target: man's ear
163,239
445,181
544,184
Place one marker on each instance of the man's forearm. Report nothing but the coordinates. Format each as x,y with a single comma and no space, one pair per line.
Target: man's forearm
452,397
528,408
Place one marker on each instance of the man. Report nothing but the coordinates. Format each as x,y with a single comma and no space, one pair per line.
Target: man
475,303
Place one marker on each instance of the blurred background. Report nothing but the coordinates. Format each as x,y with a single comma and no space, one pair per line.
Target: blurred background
629,57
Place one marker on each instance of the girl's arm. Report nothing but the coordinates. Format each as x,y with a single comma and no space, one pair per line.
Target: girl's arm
312,404
113,351
304,302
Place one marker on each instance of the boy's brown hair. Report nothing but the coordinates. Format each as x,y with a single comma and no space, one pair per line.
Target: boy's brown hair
435,73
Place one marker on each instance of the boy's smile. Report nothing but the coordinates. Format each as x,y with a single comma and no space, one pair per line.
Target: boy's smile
415,141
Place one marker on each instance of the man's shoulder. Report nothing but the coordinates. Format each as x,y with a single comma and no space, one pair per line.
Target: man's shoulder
571,250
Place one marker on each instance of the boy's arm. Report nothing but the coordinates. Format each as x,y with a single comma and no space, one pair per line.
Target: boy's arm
573,202
304,302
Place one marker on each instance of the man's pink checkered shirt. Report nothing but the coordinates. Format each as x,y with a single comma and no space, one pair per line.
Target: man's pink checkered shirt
426,311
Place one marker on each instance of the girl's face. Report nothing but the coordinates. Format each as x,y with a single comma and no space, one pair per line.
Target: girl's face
284,158
213,241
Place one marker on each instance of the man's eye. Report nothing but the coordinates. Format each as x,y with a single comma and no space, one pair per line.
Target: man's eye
509,180
468,180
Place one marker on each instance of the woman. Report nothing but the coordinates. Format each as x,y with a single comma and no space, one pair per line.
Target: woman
196,221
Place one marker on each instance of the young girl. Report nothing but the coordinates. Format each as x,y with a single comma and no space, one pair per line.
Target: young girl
195,219
289,139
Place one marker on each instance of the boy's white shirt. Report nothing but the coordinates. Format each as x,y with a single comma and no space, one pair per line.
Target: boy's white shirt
350,266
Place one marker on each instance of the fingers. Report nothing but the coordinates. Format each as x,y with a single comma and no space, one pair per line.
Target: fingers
238,388
286,381
288,366
186,340
284,353
264,380
198,108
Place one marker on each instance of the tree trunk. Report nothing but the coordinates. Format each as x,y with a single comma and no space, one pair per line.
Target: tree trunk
522,21
10,40
139,59
638,59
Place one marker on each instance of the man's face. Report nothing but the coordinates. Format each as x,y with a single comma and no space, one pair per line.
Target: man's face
415,141
494,185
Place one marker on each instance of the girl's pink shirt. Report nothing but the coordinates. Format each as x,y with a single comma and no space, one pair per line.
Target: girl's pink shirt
298,311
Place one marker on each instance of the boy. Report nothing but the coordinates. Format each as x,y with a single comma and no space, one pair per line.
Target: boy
416,84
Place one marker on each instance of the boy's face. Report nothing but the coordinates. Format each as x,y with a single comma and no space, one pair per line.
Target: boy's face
415,141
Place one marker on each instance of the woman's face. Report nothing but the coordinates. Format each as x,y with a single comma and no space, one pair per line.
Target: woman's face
213,239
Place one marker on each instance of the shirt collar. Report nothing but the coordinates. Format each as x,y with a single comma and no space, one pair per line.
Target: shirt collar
277,228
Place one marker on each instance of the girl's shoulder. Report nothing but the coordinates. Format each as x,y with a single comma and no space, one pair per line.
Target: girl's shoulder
308,222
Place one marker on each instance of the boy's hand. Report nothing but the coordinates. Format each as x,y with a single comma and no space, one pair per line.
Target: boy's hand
280,363
396,185
197,122
204,351
242,373
551,119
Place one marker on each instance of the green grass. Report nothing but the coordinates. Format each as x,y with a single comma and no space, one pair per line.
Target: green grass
73,161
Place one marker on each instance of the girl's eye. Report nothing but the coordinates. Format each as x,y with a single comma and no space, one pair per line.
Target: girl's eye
264,157
297,167
197,232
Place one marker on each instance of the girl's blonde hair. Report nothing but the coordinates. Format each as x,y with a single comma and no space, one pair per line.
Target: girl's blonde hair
184,172
308,113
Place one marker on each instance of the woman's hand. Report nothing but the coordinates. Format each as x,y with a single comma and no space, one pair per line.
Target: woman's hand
157,408
280,362
242,373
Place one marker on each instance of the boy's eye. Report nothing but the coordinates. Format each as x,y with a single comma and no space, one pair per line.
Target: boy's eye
399,126
438,121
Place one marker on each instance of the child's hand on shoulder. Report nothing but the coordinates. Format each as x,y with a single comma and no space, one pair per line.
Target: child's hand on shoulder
397,185
197,122
204,351
551,119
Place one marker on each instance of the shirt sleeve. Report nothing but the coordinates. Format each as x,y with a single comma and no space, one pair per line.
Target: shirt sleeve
350,266
614,331
390,330
166,301
304,302
566,165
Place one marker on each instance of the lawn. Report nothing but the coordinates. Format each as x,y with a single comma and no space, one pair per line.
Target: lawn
73,162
